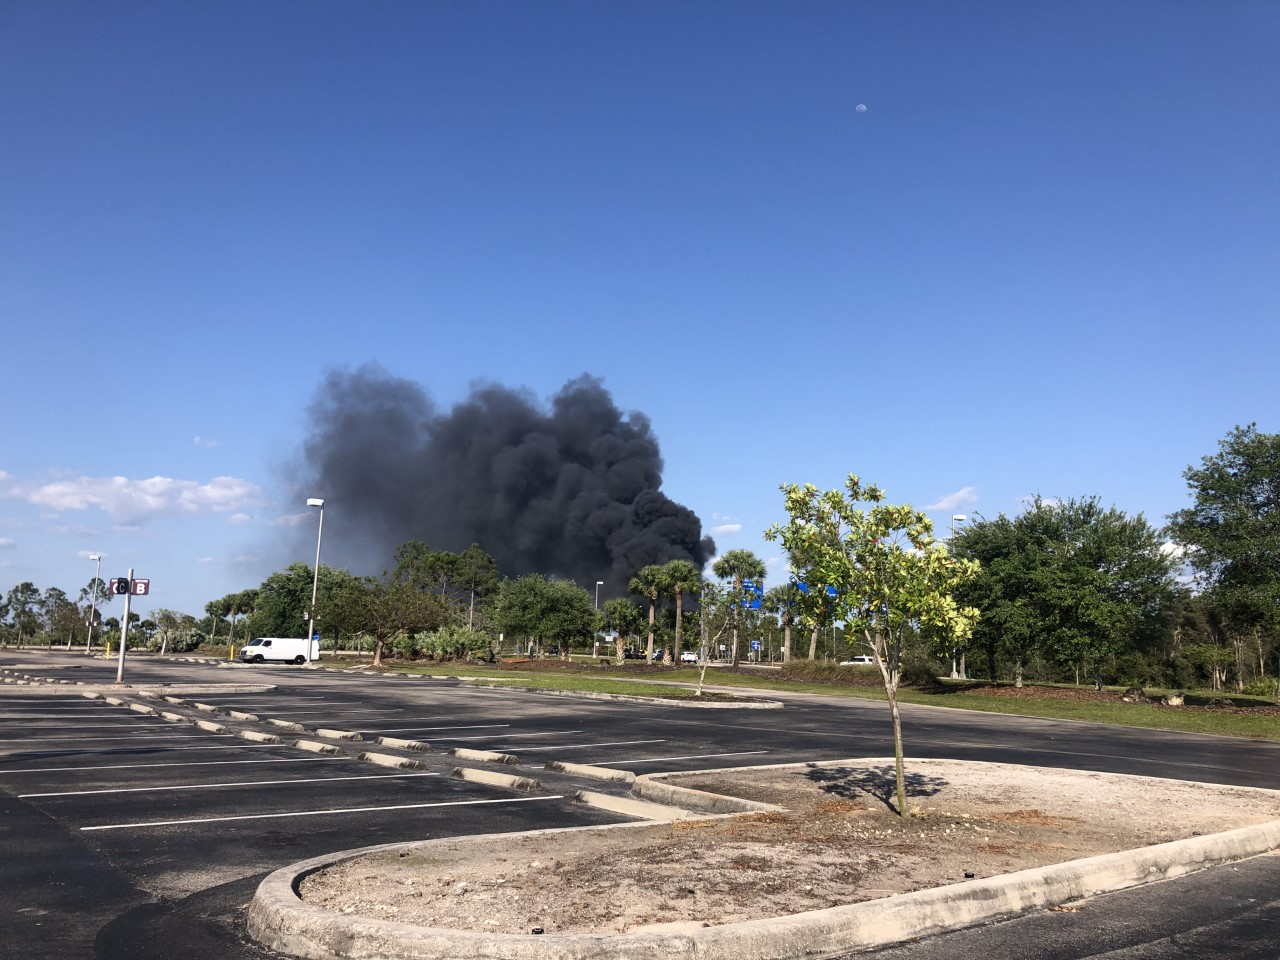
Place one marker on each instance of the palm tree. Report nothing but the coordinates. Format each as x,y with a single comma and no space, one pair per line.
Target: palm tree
682,577
217,610
738,565
783,602
649,583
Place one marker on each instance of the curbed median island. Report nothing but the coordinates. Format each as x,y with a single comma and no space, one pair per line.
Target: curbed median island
821,856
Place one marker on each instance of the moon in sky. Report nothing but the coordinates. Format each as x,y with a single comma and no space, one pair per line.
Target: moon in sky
861,108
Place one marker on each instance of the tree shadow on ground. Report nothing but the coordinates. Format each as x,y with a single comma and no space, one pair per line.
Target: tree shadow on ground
880,783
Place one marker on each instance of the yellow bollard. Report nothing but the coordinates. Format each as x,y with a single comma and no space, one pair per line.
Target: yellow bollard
232,654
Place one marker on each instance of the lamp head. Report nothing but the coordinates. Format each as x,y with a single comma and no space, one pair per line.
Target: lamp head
315,502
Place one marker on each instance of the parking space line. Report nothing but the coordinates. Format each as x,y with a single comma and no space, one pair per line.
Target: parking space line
478,726
584,746
236,744
319,813
136,739
242,783
692,756
176,763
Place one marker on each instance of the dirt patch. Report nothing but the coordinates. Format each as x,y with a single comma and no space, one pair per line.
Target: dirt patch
837,841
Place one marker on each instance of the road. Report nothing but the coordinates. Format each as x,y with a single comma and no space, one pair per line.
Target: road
127,836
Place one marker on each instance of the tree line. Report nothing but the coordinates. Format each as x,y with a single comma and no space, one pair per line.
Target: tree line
1066,590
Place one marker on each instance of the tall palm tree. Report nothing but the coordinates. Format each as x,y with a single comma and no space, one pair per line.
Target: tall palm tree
650,584
682,578
738,565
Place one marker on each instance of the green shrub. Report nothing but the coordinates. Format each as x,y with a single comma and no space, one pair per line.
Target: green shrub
455,643
406,646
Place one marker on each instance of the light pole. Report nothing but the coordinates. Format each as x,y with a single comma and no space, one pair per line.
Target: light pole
595,650
956,518
93,601
315,579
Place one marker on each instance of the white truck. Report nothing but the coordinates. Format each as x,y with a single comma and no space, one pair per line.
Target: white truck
281,649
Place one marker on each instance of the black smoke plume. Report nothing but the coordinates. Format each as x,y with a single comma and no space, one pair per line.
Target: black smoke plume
572,491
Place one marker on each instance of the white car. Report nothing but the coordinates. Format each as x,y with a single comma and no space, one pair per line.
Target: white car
688,656
857,661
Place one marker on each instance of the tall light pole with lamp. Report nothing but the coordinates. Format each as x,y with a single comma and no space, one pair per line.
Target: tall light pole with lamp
315,579
956,518
93,599
596,648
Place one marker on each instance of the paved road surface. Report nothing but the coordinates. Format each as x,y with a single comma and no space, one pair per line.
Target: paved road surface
125,836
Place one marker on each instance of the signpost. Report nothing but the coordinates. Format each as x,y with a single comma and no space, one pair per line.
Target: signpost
128,588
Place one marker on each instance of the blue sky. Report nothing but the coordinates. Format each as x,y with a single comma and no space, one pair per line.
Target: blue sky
1043,259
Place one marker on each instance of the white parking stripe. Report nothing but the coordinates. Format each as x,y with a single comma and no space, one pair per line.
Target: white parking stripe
584,746
692,756
242,783
174,763
135,738
319,813
480,726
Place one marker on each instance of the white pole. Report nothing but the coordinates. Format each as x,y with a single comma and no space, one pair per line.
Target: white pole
124,626
93,603
315,582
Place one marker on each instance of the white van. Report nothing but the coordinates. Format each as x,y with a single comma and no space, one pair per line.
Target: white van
857,661
282,649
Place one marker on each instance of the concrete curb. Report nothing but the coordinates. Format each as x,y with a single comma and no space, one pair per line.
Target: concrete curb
486,756
338,734
624,698
142,708
286,724
240,715
260,737
389,760
315,746
404,744
495,779
281,921
590,771
211,726
173,717
631,807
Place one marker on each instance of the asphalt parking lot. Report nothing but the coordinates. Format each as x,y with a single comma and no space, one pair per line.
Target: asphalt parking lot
130,835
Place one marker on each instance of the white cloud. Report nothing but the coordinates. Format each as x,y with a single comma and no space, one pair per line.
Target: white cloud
239,518
962,499
291,520
245,558
205,560
725,529
204,442
1030,499
130,502
87,554
6,542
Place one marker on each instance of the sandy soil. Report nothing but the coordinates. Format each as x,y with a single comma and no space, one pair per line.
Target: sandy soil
838,841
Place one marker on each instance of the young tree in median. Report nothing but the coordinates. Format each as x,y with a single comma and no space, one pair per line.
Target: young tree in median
889,574
737,566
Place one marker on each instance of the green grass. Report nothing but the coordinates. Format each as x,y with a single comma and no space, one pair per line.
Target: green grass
1150,716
